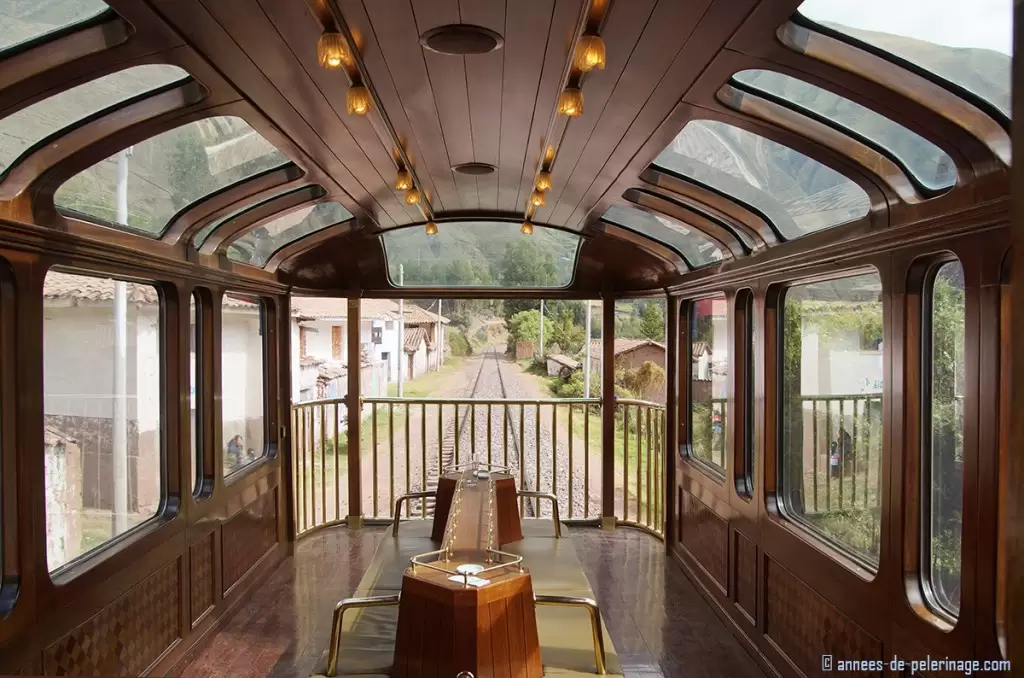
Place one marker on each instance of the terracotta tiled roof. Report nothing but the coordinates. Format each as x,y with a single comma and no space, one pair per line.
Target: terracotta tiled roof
418,315
564,361
623,346
320,308
87,288
700,348
414,336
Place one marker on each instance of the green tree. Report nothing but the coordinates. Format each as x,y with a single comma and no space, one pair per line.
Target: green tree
188,171
567,334
652,323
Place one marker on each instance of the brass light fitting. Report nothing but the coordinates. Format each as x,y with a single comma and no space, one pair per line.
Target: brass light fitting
331,51
544,181
590,53
537,199
431,228
526,228
570,102
403,180
358,100
412,197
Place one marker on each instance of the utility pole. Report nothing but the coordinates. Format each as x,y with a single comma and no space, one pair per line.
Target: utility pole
401,333
542,329
119,454
440,335
586,356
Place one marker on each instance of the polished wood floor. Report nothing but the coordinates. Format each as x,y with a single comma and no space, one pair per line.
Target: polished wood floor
658,621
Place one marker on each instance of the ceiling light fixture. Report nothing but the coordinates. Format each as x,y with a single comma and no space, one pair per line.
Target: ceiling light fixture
403,180
544,181
526,228
332,51
537,199
590,53
431,228
358,100
412,197
570,102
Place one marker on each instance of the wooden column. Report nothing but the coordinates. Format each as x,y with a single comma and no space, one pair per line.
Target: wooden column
608,410
355,417
671,415
1015,465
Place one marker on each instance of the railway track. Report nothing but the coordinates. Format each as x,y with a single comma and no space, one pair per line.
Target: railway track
453,434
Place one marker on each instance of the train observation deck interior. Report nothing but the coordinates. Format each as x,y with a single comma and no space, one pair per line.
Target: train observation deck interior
813,202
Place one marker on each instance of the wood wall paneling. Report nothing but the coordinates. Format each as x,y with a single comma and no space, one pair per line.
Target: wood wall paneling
705,536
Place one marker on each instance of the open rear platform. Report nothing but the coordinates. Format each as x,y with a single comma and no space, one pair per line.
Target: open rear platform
655,619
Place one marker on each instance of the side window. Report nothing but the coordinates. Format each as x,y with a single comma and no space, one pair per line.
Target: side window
709,378
943,456
243,381
831,412
102,380
195,344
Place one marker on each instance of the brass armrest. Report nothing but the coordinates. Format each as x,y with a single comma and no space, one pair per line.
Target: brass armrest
554,507
595,621
339,612
398,506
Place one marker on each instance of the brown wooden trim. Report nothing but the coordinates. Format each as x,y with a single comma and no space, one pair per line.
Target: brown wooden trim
732,244
219,240
354,417
608,407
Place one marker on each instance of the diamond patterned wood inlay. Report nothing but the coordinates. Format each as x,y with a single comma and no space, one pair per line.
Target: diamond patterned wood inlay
805,626
126,636
706,536
746,575
200,556
247,536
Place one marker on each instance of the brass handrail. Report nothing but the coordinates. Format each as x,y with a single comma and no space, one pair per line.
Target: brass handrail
339,612
595,621
554,507
401,500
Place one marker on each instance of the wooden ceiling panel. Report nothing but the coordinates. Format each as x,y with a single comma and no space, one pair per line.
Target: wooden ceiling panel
402,62
254,32
301,34
484,77
671,25
623,28
654,127
527,25
563,28
447,82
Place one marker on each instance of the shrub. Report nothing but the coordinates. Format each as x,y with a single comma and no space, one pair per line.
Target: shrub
458,343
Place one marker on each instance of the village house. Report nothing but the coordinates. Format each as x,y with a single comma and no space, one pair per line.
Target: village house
631,354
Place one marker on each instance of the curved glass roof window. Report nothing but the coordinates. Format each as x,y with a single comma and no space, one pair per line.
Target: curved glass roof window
258,245
481,254
797,194
923,160
169,172
967,44
25,20
200,237
695,247
35,125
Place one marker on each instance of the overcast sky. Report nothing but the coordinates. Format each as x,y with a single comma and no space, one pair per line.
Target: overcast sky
956,23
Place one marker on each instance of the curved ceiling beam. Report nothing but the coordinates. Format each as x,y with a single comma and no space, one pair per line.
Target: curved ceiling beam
689,217
752,226
308,242
649,245
193,218
260,214
891,174
49,153
912,86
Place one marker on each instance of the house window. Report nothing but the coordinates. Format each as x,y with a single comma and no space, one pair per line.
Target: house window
943,459
336,342
243,381
303,342
377,335
102,380
709,377
831,412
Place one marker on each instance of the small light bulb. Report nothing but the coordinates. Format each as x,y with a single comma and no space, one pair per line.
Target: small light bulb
403,180
544,181
570,102
331,50
590,53
358,100
537,199
412,197
526,228
431,228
